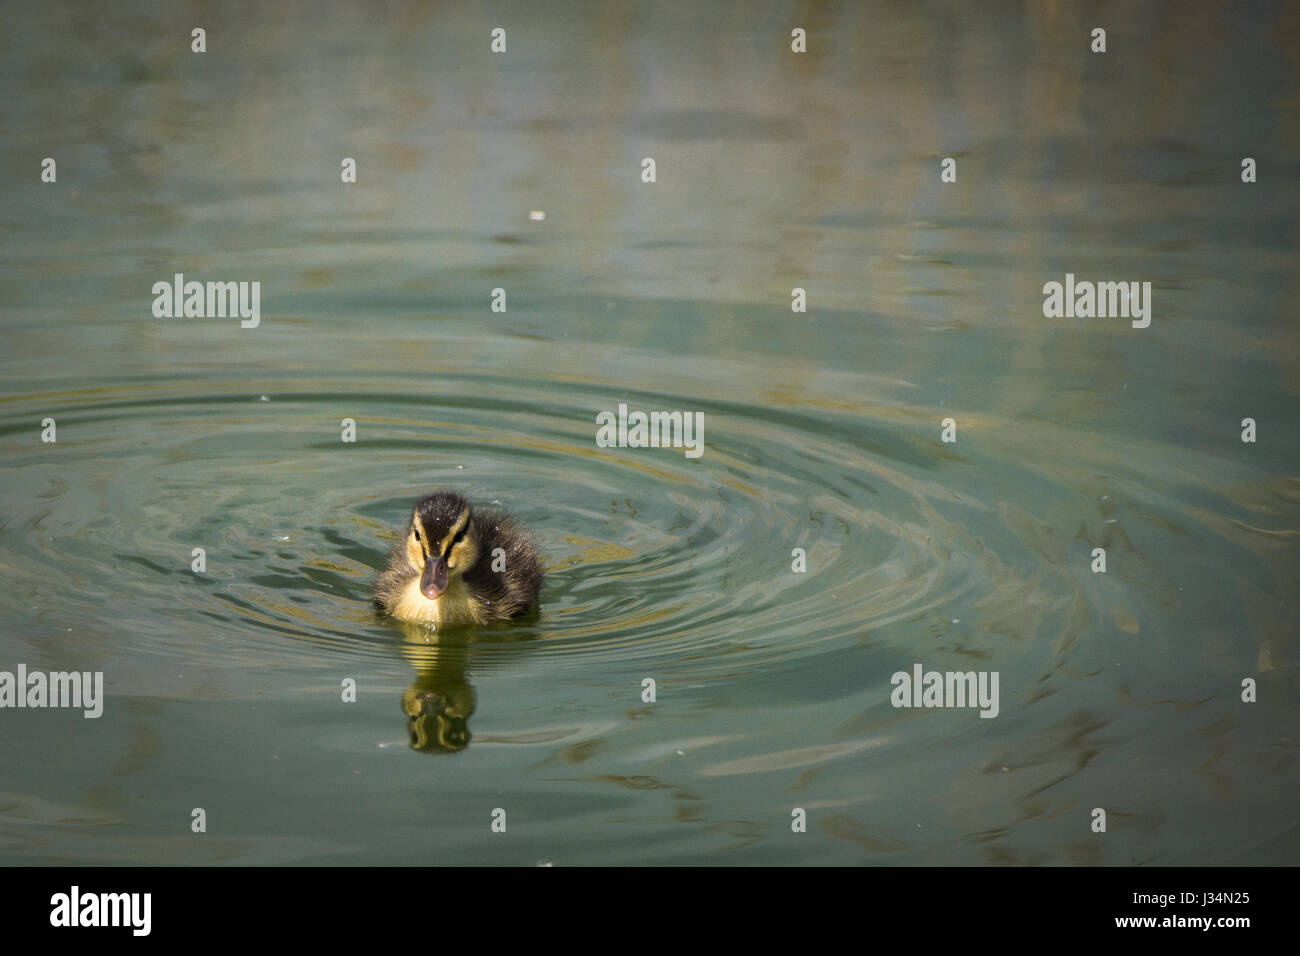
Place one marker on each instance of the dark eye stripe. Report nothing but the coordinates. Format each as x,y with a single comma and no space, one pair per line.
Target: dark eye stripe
456,539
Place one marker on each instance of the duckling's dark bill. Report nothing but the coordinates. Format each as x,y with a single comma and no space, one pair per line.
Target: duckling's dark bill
460,564
433,582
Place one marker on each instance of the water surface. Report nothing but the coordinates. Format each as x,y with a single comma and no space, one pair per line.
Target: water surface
774,171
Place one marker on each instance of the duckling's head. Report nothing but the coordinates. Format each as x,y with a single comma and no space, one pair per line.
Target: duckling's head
443,543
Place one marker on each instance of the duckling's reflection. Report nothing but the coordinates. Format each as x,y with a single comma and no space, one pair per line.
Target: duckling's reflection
441,700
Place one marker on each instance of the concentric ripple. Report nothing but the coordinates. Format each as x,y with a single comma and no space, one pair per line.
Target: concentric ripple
653,558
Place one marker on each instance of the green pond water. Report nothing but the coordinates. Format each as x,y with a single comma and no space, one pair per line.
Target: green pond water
1118,690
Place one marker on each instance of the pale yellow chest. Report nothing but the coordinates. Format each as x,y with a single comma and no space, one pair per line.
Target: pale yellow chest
456,605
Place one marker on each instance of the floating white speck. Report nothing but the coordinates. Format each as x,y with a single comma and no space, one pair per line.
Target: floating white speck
680,753
537,215
264,398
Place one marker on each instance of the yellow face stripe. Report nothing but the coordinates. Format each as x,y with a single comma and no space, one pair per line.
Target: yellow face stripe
415,526
456,529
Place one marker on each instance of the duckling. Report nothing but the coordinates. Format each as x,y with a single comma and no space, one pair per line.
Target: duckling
443,571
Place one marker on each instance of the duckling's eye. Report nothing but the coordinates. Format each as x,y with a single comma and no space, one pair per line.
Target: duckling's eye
417,534
460,536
